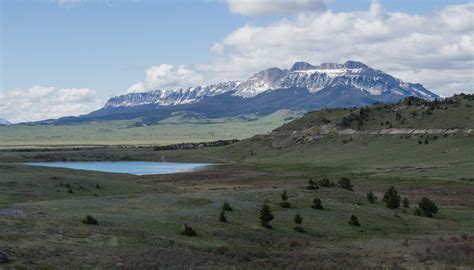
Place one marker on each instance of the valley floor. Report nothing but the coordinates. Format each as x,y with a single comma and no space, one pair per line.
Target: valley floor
140,217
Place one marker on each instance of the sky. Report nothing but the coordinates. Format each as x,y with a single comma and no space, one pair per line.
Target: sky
67,57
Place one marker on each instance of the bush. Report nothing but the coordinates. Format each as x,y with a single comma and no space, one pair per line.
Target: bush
90,220
188,231
428,208
325,182
371,197
392,198
345,183
417,212
406,202
97,186
69,190
222,217
284,197
298,221
354,221
226,206
312,185
299,229
266,216
317,204
285,205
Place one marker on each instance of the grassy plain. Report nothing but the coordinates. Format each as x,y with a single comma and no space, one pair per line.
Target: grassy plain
130,132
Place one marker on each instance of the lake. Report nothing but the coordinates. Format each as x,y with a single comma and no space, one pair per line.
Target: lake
130,167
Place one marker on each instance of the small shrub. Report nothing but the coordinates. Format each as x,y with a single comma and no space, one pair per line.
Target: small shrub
90,220
188,231
406,202
299,229
354,221
266,216
345,183
222,217
97,186
317,204
69,190
285,203
428,208
312,185
226,206
325,182
392,198
298,221
417,212
371,197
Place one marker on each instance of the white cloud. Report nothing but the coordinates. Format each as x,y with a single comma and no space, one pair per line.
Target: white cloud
39,103
435,49
274,7
167,77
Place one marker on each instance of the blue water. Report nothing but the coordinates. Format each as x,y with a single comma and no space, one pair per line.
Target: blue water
131,167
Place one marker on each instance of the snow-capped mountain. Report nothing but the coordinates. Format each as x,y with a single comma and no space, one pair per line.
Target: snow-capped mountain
171,97
4,122
355,75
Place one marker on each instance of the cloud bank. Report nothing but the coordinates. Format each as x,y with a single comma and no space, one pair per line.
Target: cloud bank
436,49
39,103
274,7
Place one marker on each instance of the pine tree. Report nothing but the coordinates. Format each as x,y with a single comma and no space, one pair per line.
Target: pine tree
428,208
371,197
188,231
298,221
226,206
354,221
406,202
317,204
284,198
345,183
392,198
266,216
222,217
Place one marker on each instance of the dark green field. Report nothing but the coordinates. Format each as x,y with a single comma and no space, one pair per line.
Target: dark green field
140,217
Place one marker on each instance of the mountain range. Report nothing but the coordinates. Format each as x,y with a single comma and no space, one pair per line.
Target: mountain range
4,122
302,87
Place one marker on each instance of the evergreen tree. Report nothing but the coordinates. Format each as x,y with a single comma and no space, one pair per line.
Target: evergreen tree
298,220
188,231
226,206
284,198
317,204
354,221
392,198
345,183
406,202
371,197
312,184
428,208
222,217
266,216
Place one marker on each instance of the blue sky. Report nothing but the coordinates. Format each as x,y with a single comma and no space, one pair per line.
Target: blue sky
106,46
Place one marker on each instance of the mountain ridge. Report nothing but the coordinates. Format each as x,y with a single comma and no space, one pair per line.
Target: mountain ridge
300,75
303,87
